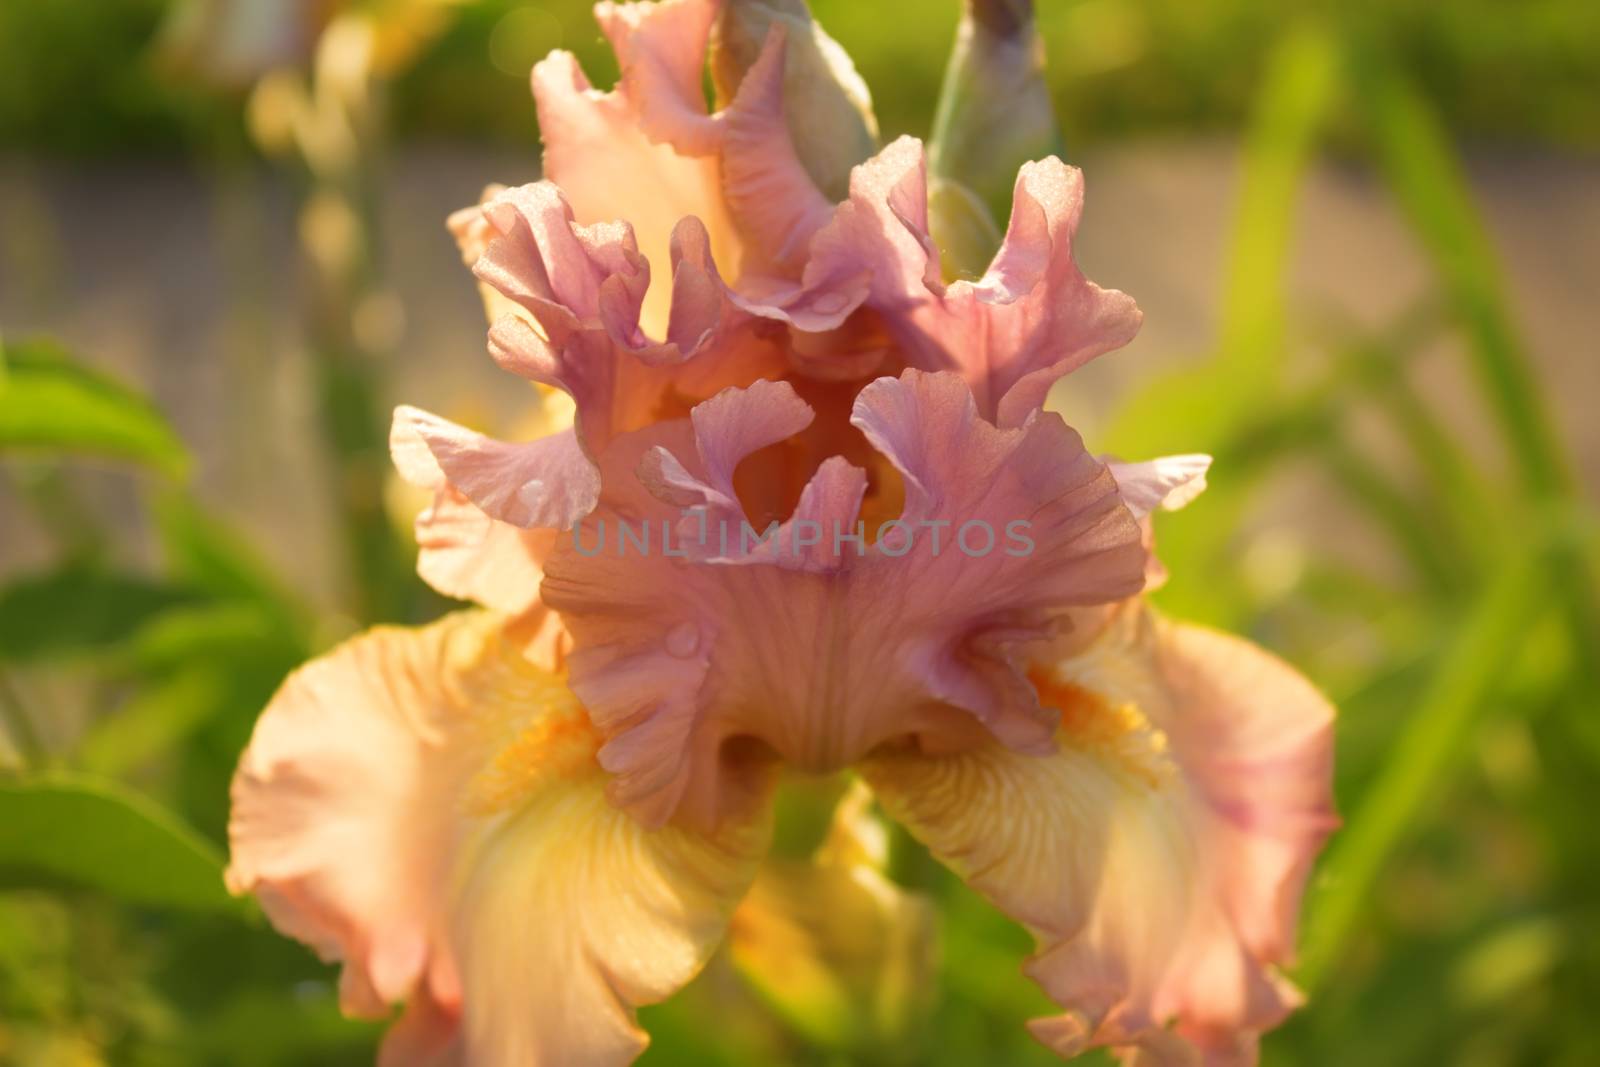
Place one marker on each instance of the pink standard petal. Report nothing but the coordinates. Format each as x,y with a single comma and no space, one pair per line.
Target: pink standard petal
581,289
774,201
1030,319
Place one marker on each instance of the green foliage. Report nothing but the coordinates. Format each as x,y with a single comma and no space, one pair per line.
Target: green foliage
78,607
48,403
91,835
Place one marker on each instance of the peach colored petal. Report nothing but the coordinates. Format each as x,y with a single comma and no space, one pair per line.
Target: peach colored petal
825,650
597,151
465,554
661,50
335,823
425,806
1159,855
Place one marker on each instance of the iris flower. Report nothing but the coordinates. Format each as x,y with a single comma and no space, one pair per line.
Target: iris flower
525,820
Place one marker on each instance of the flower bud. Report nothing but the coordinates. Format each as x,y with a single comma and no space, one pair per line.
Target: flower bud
826,103
994,110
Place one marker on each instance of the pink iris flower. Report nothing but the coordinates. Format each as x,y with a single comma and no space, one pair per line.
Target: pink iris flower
526,820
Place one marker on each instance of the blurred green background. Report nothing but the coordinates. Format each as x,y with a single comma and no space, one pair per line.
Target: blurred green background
1366,238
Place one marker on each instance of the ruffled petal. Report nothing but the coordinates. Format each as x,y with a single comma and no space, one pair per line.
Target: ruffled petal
774,201
465,554
342,820
1030,319
1168,483
661,50
425,806
547,483
597,150
1159,855
580,291
824,641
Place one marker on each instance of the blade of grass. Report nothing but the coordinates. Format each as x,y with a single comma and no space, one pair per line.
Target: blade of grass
1416,159
1397,512
1297,94
1204,405
1421,761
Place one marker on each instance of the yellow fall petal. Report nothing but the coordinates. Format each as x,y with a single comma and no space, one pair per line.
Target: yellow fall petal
1158,855
425,806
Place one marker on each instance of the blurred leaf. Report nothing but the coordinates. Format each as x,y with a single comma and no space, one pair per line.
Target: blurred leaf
1419,763
198,662
270,1028
1416,158
835,947
202,551
49,403
153,721
92,835
78,607
233,636
1200,406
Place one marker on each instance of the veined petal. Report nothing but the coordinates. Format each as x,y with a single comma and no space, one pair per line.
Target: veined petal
425,806
819,647
1159,855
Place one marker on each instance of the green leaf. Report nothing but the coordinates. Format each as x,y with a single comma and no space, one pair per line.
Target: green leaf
1198,407
1415,156
85,834
50,404
77,608
153,722
201,550
1420,762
